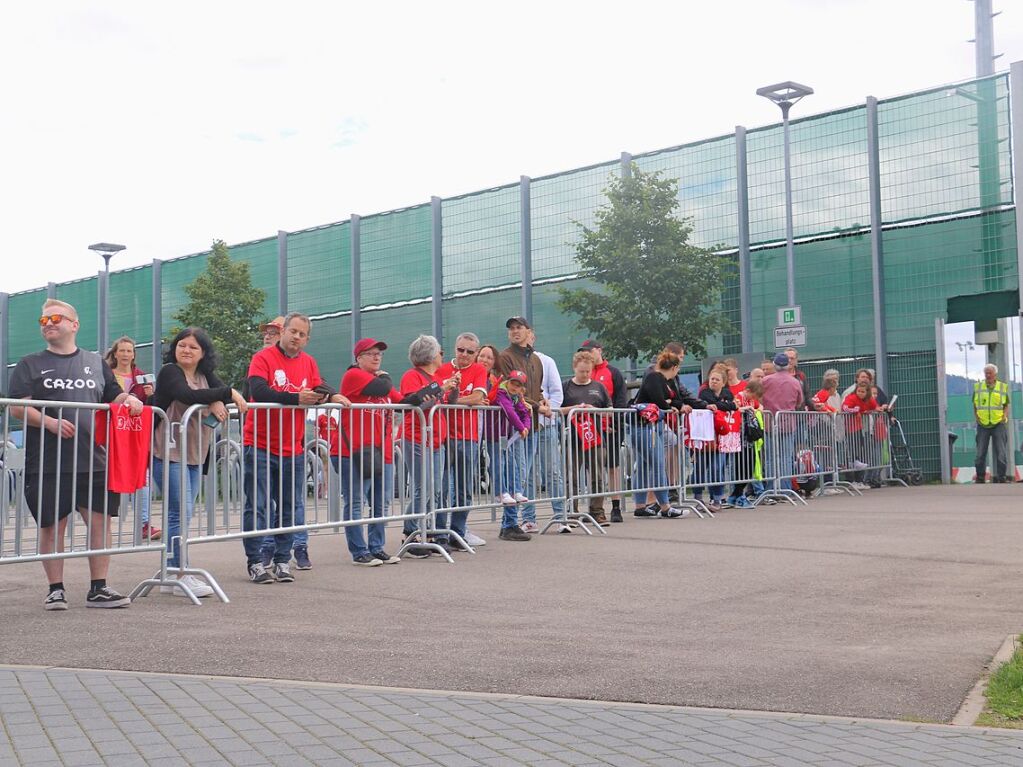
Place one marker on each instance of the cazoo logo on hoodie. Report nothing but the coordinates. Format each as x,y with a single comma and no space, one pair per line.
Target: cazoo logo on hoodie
69,383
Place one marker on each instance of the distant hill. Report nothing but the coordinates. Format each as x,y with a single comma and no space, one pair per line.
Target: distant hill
956,385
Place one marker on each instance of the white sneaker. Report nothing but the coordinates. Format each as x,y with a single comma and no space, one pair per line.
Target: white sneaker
474,540
198,587
530,527
561,529
520,498
859,465
507,500
861,485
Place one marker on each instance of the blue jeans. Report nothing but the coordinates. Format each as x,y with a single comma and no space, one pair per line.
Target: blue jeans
648,472
282,479
375,491
505,465
413,453
463,459
141,501
782,461
545,462
708,470
172,500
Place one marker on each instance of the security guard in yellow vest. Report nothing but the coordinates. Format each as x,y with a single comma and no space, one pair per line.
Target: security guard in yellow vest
991,409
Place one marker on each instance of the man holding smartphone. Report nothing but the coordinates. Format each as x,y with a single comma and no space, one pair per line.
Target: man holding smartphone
274,452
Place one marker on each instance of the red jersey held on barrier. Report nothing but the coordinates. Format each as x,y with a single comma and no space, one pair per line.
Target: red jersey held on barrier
127,442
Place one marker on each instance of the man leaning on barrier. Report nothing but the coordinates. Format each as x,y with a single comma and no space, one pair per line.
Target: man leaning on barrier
463,445
63,469
274,452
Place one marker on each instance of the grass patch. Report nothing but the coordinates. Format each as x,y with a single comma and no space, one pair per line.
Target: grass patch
1004,694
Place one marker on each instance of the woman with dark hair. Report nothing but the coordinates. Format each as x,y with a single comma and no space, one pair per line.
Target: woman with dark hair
121,359
487,357
187,379
659,392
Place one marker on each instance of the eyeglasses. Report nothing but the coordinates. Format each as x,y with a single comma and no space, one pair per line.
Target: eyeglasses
53,319
460,350
372,354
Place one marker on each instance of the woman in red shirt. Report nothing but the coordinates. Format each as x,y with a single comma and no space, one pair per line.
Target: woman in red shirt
863,448
366,462
421,459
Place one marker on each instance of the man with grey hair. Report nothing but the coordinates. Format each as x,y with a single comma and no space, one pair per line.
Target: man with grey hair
274,452
991,409
463,445
423,450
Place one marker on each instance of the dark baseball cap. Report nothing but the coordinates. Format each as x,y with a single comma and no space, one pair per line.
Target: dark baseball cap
781,360
518,321
588,344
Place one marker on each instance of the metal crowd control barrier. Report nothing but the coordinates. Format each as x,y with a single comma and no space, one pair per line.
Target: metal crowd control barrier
867,448
728,462
594,471
811,439
481,462
35,485
271,503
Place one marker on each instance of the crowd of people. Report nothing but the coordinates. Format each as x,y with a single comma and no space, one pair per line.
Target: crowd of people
533,419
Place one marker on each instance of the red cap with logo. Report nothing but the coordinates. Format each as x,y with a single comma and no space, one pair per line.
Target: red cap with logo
518,376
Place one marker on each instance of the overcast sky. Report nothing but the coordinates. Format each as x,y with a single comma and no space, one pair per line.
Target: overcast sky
163,126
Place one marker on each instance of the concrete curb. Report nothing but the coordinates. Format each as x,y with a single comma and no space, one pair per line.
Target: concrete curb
973,705
495,696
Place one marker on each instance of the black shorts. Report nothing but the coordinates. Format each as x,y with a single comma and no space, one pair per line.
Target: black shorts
613,449
61,497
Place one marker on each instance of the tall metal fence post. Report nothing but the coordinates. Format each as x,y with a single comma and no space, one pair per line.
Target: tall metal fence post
356,280
157,314
876,245
282,272
5,302
626,161
939,364
742,214
526,247
51,289
1016,102
437,267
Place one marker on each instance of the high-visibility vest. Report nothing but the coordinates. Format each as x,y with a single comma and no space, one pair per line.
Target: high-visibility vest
990,403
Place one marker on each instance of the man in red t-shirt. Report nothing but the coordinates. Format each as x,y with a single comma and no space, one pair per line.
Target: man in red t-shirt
463,447
274,452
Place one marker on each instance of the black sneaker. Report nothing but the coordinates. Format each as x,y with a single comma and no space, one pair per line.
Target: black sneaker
416,551
646,511
281,571
673,512
259,574
616,515
366,560
385,558
301,555
514,533
106,597
55,600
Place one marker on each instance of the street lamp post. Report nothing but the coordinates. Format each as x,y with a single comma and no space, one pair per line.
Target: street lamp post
966,347
107,251
785,95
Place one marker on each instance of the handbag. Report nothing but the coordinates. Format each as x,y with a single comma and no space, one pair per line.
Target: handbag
752,431
368,459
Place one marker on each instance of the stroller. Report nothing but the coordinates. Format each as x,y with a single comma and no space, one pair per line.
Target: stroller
902,461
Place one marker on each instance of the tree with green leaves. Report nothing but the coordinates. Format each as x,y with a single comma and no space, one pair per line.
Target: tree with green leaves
224,302
653,286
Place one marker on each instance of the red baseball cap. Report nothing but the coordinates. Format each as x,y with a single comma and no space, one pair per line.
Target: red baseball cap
518,376
365,344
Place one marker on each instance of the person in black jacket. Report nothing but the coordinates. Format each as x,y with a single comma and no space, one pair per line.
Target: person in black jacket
612,379
708,462
660,391
187,378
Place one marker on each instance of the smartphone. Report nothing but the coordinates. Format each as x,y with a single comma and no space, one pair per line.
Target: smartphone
211,420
